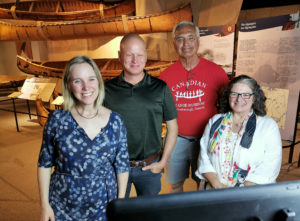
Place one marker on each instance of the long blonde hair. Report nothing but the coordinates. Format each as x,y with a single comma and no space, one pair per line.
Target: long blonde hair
69,99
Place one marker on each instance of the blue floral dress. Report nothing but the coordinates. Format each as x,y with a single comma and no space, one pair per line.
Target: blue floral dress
84,177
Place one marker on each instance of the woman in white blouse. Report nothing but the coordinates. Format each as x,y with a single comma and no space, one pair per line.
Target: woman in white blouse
241,145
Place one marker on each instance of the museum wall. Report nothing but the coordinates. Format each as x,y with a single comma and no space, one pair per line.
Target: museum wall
8,59
268,12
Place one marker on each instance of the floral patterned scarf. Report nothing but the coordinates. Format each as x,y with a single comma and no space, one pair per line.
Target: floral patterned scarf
228,151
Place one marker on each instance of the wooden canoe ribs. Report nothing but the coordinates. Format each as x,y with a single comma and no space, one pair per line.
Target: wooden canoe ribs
65,10
29,30
109,68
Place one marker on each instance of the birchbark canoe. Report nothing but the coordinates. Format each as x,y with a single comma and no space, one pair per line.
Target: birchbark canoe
64,10
14,30
109,67
42,112
11,81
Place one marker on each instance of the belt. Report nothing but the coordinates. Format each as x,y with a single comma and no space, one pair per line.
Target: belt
191,139
146,162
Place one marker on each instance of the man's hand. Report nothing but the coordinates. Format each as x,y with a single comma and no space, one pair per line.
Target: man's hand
156,167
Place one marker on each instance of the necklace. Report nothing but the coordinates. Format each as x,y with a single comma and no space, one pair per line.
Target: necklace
84,116
238,124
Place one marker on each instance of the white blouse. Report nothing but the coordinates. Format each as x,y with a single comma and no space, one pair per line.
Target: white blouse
264,155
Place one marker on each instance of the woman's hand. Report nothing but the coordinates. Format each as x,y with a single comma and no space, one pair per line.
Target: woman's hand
218,185
47,213
44,182
248,183
214,181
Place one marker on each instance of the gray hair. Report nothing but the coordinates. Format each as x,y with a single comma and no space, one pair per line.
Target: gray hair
185,23
258,106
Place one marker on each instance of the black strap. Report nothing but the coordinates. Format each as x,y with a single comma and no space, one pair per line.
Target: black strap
215,126
196,139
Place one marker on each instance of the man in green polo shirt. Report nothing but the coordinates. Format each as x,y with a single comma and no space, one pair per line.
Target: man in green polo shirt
144,102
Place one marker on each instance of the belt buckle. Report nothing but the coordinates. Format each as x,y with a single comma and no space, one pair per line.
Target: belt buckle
137,163
144,163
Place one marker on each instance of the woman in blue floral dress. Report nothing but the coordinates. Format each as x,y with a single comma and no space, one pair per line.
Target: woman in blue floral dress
87,146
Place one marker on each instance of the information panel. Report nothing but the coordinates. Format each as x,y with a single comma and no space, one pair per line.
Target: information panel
217,45
34,88
269,51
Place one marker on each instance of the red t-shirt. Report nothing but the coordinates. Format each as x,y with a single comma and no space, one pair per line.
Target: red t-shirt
195,93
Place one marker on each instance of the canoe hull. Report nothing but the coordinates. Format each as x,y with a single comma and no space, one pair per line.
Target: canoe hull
65,10
109,68
11,30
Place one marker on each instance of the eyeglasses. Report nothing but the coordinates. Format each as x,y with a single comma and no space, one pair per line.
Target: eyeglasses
181,39
189,79
243,95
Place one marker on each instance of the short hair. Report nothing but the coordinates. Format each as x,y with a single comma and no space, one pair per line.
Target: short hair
185,23
129,36
69,98
259,107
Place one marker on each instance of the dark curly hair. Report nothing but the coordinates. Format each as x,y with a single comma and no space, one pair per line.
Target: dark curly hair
259,98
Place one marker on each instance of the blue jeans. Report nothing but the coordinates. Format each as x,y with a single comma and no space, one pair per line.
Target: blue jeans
146,183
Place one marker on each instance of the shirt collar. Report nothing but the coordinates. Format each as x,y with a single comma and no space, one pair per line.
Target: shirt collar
145,80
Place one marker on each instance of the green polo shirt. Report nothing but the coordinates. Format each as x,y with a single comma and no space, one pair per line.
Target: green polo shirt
143,106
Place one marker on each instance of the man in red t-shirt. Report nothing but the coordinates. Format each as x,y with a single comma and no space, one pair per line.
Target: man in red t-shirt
195,84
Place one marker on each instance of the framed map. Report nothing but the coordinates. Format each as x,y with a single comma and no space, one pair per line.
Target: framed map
276,104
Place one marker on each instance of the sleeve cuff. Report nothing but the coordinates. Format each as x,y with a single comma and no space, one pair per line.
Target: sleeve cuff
260,179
